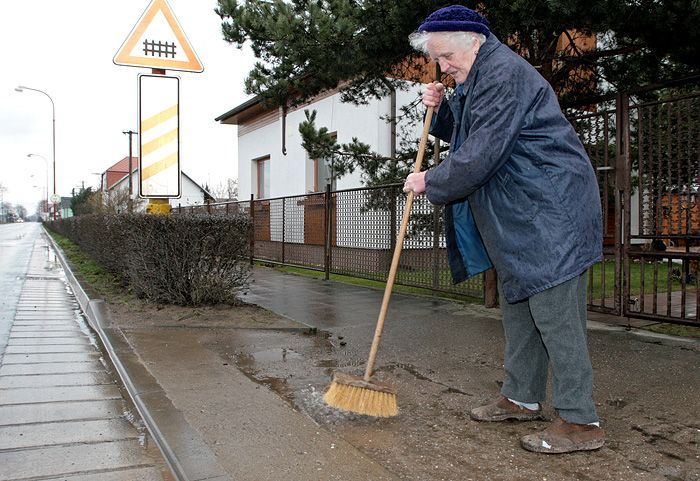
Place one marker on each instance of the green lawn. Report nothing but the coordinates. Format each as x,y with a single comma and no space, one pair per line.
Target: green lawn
596,284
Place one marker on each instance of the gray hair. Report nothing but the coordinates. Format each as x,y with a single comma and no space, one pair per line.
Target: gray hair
460,40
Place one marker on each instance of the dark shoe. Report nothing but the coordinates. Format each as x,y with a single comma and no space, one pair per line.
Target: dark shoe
564,437
503,409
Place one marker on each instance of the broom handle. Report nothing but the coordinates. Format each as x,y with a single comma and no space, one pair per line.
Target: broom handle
397,249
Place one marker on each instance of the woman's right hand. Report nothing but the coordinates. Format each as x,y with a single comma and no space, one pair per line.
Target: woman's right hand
433,94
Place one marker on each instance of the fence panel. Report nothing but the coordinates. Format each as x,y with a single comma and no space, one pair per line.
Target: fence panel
357,228
664,241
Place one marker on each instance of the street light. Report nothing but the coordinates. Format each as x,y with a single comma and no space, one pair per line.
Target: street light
40,211
22,88
46,163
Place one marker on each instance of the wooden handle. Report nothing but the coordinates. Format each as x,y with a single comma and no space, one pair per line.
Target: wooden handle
397,251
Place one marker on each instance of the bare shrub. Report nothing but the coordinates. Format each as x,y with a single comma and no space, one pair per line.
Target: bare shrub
185,260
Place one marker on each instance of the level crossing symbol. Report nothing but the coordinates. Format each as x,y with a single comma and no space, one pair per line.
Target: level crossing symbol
157,41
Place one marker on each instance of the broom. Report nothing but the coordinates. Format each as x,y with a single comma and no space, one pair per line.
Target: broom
360,394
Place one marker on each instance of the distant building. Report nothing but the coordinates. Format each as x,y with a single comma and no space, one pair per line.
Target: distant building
115,183
64,208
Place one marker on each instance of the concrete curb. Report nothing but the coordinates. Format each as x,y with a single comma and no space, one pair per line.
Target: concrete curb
188,456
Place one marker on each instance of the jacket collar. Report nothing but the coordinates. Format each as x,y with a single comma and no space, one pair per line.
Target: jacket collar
491,44
488,47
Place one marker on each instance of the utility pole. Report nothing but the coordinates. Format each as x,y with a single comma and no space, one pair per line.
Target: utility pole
131,188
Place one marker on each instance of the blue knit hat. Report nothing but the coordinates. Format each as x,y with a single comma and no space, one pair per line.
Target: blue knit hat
455,18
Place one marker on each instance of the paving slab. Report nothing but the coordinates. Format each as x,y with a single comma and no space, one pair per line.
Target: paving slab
62,415
48,412
59,394
44,321
41,329
50,358
137,474
66,432
13,348
62,460
49,368
54,380
53,341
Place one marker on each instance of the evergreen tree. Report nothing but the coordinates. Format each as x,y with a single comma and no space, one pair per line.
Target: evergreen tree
307,46
361,47
80,202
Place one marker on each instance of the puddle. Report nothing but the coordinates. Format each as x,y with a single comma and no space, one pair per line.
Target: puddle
310,400
296,367
275,355
85,329
52,261
277,385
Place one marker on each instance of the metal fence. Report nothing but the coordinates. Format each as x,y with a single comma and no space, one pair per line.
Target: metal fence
663,233
647,158
353,233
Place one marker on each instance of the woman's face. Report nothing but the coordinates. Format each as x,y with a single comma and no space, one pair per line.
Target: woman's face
454,59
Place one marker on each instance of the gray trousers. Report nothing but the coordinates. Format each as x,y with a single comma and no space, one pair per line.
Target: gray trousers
550,326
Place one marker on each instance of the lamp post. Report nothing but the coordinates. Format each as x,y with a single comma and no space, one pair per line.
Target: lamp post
22,88
131,188
46,163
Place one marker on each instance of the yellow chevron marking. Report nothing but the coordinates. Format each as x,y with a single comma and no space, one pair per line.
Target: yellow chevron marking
157,167
156,119
166,138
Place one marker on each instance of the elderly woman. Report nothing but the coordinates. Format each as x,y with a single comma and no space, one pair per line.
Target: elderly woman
518,186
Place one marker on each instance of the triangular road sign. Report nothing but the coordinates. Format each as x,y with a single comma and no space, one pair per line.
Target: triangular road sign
158,41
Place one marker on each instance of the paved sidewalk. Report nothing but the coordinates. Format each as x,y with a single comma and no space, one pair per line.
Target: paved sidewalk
61,413
183,392
244,402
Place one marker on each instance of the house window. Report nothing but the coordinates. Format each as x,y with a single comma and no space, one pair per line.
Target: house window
323,172
262,170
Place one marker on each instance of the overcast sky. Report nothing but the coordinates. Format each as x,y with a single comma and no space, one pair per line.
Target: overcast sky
65,48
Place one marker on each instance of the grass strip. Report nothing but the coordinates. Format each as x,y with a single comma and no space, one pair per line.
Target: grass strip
107,285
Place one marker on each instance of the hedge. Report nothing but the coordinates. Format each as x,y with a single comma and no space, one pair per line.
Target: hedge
188,260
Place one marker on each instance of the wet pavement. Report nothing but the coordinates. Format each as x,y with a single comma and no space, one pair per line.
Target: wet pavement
446,358
62,415
243,389
254,395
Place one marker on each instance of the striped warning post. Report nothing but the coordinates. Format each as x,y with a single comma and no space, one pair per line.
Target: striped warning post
159,136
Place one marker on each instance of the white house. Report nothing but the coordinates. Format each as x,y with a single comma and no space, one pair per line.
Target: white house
116,181
271,160
272,163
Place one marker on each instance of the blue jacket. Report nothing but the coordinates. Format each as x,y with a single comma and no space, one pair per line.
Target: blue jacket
528,181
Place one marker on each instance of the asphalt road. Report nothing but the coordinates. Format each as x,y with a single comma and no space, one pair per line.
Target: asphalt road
16,241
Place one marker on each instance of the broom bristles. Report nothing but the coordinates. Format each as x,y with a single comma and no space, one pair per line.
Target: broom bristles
361,399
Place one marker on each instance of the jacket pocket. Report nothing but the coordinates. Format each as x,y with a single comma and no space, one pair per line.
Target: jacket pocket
519,203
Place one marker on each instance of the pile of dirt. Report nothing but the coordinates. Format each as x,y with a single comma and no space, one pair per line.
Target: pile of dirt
137,313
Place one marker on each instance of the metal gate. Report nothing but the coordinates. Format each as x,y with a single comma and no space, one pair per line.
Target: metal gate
647,159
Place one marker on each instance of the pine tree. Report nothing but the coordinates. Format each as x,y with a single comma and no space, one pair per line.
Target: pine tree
308,46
